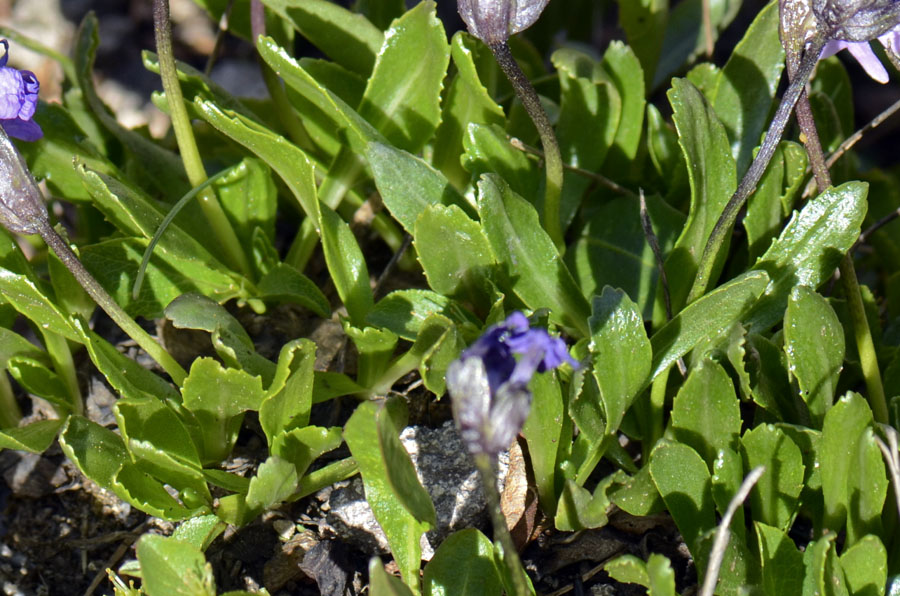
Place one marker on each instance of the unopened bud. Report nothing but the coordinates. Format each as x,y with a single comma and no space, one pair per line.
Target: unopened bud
494,21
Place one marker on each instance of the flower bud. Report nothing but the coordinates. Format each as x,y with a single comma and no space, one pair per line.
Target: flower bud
856,20
493,21
21,204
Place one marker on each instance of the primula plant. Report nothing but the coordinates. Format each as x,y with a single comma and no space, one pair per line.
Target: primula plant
655,282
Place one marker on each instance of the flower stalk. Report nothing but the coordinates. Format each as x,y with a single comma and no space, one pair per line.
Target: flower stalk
187,145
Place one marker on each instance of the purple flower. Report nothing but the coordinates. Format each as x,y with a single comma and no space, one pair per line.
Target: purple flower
489,385
493,21
18,100
864,54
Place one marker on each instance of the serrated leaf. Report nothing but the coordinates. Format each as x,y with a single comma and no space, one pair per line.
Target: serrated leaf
34,438
27,298
746,87
814,345
774,499
301,446
706,413
404,311
285,283
98,452
407,184
454,252
465,102
533,266
713,179
488,150
275,480
170,567
707,316
289,396
809,248
782,563
613,250
865,566
199,531
620,351
402,98
624,70
463,565
348,38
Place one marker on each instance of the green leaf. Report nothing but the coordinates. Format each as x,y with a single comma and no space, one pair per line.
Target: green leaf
533,266
160,444
774,499
713,179
407,184
249,198
301,446
809,248
386,470
782,563
656,574
623,68
39,380
115,263
437,358
199,531
774,197
706,413
746,86
170,567
488,150
381,583
285,283
463,565
276,479
466,101
620,351
543,431
708,316
348,38
853,482
644,22
218,397
405,311
34,438
814,345
638,494
457,267
402,99
865,567
148,494
30,300
824,574
769,382
126,376
347,266
289,397
613,250
375,348
579,509
682,478
98,452
230,340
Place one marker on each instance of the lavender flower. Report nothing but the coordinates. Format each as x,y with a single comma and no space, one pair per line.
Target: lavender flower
493,21
18,100
850,24
489,386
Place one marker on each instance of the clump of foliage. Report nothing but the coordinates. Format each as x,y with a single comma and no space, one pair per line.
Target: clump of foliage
686,263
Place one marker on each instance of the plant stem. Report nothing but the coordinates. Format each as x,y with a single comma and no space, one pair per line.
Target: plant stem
861,332
187,145
552,158
486,469
61,356
286,114
748,184
105,301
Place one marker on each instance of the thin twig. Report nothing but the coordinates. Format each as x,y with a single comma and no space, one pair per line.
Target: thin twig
707,28
220,38
875,227
600,178
407,241
723,533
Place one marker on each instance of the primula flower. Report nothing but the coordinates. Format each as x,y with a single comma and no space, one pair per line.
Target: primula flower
493,21
489,385
18,100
